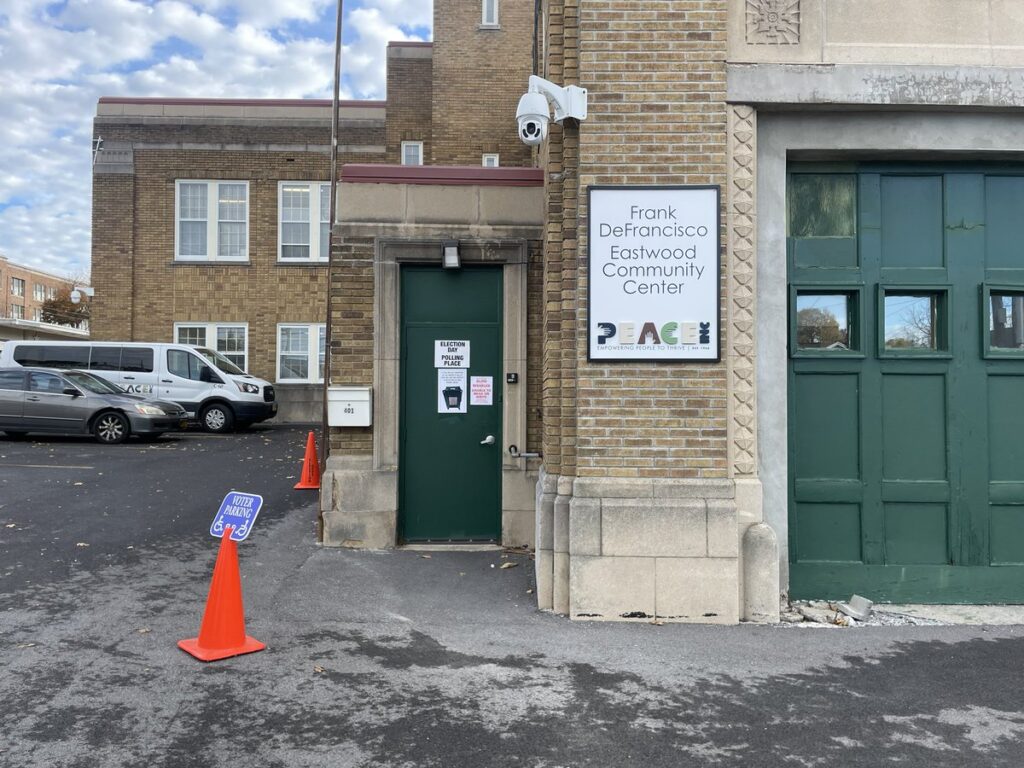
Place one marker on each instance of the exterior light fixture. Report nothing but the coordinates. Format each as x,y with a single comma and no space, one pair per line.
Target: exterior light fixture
76,294
450,254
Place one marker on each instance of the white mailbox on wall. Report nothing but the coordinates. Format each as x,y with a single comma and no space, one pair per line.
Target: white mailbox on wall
349,406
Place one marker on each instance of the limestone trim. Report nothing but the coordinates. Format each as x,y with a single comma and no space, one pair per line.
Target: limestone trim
773,22
741,224
389,255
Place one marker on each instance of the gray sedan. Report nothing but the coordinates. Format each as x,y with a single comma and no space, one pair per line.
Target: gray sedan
76,402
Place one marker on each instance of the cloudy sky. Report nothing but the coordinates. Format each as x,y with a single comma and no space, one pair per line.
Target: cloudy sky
58,58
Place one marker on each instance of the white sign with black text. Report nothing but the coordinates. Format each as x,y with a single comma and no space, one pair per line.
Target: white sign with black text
451,354
654,273
451,390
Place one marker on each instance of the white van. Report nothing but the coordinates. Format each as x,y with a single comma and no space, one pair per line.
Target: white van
206,384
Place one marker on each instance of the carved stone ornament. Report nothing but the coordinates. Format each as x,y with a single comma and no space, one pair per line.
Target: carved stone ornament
773,22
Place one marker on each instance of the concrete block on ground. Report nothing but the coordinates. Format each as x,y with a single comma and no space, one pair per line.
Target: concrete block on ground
544,570
653,528
761,587
612,588
560,587
700,590
363,510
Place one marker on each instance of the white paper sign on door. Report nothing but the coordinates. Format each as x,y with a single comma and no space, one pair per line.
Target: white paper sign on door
481,390
451,390
451,354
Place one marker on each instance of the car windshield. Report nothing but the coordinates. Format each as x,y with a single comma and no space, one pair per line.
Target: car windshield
92,383
219,361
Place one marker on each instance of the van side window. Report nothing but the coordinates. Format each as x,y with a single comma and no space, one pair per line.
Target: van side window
14,380
53,355
105,359
137,359
188,366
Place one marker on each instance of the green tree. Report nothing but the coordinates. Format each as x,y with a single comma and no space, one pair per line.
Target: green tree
61,311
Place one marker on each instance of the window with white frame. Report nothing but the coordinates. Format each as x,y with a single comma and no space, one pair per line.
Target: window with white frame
211,220
490,160
17,311
17,287
412,153
490,13
37,314
303,221
51,292
300,352
39,292
230,339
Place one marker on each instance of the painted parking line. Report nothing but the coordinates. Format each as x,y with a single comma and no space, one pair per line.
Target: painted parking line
44,466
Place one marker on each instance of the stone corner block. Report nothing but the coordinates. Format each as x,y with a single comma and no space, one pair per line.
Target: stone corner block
585,527
611,588
363,510
612,488
694,489
654,528
701,590
723,531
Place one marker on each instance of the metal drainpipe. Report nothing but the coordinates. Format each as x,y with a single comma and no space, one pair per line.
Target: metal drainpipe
325,439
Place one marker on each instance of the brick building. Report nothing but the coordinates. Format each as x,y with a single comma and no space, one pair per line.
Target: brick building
210,215
828,407
849,426
23,292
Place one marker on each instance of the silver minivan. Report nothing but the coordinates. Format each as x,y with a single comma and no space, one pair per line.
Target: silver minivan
76,402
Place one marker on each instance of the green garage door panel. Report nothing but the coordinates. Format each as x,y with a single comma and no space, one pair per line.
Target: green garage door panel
449,484
905,450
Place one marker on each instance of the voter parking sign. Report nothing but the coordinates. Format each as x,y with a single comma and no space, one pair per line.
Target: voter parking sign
239,511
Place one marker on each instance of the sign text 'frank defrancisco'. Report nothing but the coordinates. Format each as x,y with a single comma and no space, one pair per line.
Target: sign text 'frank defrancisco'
654,273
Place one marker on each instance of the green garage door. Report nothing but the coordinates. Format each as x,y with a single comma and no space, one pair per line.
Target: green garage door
906,383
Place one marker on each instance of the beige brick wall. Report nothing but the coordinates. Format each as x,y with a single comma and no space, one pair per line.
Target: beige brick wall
113,253
479,75
410,90
656,81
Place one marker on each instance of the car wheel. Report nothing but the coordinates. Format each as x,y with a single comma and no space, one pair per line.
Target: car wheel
110,427
217,418
16,435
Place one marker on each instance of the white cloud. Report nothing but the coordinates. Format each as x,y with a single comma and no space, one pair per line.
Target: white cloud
55,64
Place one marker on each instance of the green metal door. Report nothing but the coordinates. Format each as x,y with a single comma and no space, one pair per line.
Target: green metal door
906,383
450,427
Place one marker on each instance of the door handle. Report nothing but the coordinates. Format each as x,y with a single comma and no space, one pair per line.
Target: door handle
166,381
33,399
130,378
489,440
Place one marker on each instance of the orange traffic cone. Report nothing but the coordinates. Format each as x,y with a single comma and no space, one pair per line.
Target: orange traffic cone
310,466
222,633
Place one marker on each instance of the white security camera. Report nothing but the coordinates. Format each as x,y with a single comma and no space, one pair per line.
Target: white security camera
533,116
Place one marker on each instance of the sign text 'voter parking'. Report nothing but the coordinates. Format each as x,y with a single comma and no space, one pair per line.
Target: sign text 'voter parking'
239,510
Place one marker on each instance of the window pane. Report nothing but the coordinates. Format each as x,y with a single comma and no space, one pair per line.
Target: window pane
12,380
323,349
231,343
822,205
192,201
490,15
325,241
192,238
911,320
294,352
294,367
1006,320
191,334
295,339
823,321
45,382
325,202
231,240
411,153
231,202
295,234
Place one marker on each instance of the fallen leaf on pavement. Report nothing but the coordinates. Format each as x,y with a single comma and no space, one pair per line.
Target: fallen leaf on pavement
81,544
144,630
10,525
658,623
318,668
425,557
508,565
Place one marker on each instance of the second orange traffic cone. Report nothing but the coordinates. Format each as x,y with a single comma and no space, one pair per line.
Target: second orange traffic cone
222,633
310,466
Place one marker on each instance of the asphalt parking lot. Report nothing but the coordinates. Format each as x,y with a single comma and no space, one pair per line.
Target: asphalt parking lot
412,659
68,502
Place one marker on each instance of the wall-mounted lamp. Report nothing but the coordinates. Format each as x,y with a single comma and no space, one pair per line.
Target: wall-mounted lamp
76,294
450,254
